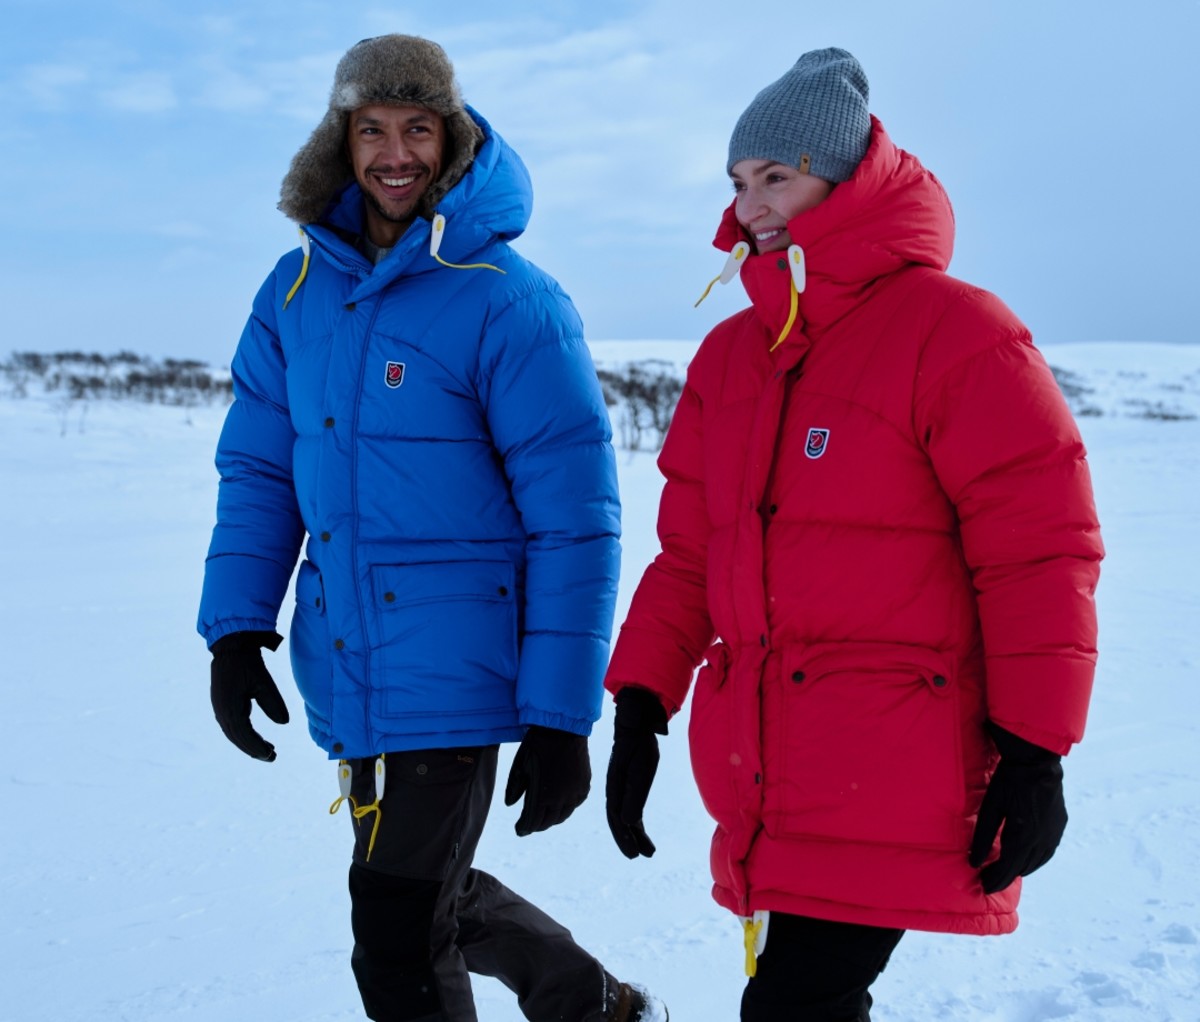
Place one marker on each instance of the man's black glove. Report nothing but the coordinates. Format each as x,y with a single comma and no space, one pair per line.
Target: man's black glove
238,676
631,768
552,770
1026,796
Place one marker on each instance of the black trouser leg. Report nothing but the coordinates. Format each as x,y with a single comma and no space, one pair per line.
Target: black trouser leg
813,970
392,918
503,935
423,916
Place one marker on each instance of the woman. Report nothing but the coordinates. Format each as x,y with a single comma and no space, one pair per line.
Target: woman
878,505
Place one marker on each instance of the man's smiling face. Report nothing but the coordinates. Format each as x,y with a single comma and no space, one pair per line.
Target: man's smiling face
396,152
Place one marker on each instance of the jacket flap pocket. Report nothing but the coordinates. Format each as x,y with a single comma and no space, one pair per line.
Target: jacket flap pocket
932,667
399,585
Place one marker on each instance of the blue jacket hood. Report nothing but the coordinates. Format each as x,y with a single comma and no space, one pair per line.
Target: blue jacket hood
492,202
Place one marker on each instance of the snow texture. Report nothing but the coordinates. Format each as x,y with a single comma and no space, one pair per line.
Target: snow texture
149,872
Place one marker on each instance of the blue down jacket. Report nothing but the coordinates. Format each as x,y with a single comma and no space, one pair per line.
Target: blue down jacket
440,435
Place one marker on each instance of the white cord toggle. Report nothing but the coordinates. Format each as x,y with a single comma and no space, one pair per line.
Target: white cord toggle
380,777
736,257
435,236
344,778
796,265
760,941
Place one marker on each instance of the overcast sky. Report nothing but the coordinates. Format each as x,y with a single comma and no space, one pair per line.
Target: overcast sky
143,145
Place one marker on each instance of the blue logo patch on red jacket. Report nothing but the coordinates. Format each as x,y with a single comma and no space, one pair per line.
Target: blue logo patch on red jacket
816,442
394,375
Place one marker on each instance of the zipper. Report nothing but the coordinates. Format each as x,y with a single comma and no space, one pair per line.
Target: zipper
793,375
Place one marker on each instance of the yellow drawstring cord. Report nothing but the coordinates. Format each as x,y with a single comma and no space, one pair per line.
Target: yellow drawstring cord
468,266
304,245
706,290
754,937
749,937
436,230
439,225
791,316
357,811
736,257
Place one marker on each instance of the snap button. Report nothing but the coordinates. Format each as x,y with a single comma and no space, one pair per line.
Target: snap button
325,537
389,597
340,644
939,681
797,675
338,747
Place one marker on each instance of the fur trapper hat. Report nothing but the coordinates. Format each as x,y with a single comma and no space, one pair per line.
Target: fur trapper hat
392,70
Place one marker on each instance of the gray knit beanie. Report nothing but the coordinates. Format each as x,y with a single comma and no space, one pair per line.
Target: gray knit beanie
391,70
814,118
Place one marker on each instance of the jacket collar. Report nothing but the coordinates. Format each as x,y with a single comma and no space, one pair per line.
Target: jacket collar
891,214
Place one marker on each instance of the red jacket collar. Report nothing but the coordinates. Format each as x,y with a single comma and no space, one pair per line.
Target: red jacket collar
891,214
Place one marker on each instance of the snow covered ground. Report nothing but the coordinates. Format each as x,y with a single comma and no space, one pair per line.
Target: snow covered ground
151,873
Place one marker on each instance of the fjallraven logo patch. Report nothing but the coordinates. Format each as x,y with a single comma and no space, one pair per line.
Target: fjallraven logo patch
816,442
394,375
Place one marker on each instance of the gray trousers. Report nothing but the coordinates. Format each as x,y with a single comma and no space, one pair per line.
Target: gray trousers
424,918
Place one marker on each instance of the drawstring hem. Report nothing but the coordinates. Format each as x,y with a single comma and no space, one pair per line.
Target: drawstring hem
357,811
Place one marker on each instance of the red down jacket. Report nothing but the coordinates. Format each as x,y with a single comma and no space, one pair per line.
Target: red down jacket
887,524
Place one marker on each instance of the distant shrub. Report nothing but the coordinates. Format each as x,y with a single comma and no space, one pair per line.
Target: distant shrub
643,396
78,376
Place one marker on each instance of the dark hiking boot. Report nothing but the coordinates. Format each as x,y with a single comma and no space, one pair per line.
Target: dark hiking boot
636,1004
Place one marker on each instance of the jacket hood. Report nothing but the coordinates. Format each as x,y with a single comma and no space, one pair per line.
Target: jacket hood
491,202
892,213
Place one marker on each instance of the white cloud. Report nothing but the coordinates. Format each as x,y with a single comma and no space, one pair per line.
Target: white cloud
182,230
144,92
47,86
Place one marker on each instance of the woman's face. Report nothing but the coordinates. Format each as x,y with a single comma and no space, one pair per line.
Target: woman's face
770,194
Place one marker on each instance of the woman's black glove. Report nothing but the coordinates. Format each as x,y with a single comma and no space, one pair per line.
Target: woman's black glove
239,676
1026,796
552,770
631,768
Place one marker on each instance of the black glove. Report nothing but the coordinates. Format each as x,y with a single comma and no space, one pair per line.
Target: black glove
1026,795
632,767
238,676
552,770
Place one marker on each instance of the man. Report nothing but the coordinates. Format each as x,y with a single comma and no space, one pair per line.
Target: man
419,400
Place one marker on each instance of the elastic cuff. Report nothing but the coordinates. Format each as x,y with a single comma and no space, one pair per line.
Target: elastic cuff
246,640
1014,747
640,708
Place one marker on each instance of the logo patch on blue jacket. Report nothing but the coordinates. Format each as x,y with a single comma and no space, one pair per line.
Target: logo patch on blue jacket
816,442
394,376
